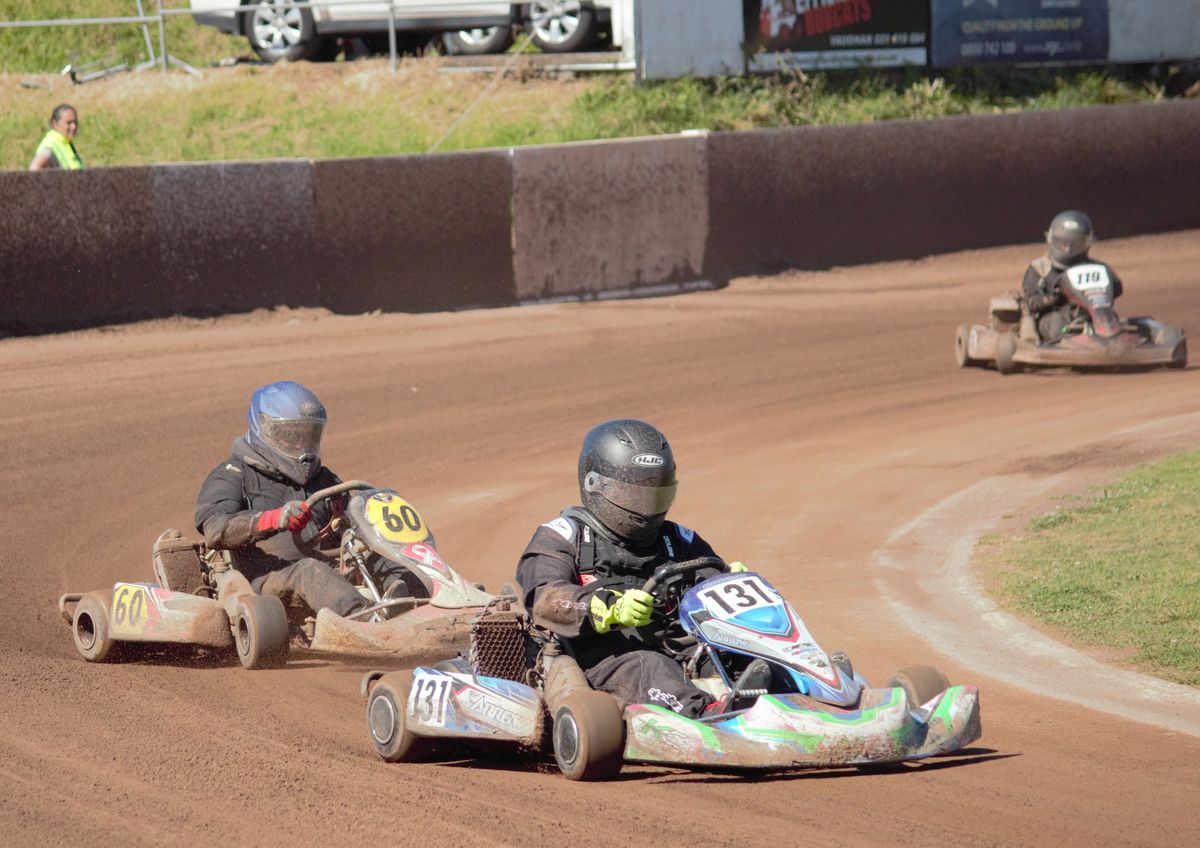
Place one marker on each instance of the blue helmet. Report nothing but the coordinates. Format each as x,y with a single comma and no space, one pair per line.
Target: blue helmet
286,424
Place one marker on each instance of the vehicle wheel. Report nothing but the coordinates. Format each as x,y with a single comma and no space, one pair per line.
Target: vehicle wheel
260,631
476,42
920,683
278,31
589,736
561,27
1180,361
386,707
962,339
90,629
1006,349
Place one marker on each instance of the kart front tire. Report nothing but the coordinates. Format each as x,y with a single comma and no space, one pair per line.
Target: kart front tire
589,736
386,707
1006,349
89,627
260,631
962,340
921,683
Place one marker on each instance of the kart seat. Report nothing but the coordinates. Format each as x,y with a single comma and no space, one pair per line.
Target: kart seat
177,563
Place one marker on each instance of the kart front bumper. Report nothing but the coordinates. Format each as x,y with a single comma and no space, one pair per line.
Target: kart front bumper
794,731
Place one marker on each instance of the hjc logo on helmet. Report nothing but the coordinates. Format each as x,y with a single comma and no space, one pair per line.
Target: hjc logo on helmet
648,459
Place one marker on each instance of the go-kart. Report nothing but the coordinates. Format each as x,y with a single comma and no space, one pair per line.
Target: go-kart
200,599
1094,338
519,684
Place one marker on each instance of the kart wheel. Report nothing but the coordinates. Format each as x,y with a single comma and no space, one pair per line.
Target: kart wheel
89,626
921,683
260,631
1006,349
589,736
386,707
962,339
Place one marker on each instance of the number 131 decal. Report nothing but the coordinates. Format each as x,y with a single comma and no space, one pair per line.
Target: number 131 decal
428,699
735,596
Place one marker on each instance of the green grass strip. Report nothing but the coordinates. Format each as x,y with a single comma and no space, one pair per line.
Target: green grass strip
1121,571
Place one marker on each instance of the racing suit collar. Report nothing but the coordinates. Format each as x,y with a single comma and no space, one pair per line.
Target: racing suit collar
243,451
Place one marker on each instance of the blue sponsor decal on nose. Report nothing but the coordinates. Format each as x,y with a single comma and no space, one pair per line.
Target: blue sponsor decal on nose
772,620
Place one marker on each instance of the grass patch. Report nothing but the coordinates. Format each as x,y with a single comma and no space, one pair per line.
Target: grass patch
344,109
1122,570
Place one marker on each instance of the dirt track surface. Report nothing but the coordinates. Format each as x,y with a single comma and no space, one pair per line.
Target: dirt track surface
814,418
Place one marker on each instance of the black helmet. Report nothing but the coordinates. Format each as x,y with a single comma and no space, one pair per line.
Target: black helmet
1070,237
286,424
627,477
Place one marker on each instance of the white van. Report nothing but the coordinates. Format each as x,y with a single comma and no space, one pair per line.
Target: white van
279,30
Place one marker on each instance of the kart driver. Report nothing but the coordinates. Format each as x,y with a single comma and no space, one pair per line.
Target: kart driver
582,573
1069,238
252,504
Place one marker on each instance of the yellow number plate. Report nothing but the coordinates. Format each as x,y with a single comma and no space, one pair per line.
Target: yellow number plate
130,610
395,519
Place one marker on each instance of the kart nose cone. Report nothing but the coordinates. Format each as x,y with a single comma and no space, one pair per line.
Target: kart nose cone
382,720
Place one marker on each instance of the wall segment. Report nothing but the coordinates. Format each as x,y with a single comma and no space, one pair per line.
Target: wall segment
500,227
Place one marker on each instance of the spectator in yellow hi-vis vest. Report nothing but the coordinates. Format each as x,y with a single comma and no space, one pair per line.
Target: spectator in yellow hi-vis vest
56,149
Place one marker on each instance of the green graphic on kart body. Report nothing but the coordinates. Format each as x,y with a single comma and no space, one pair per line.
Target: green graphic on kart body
661,735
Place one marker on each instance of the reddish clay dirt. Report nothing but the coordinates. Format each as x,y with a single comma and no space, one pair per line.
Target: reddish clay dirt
812,415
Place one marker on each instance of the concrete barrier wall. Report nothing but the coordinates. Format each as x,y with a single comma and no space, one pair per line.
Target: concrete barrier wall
414,233
597,217
499,227
232,237
823,196
77,249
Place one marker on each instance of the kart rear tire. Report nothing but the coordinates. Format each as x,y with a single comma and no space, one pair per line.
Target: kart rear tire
89,627
589,736
1006,349
386,706
260,631
921,683
962,339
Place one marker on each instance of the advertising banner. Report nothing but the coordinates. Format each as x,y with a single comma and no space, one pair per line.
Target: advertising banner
978,32
836,33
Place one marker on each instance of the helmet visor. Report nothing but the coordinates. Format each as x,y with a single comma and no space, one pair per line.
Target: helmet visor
291,437
1070,245
642,500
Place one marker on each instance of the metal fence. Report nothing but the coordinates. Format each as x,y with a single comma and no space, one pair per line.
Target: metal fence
160,15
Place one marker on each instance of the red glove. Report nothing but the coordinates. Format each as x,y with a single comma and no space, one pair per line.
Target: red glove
292,516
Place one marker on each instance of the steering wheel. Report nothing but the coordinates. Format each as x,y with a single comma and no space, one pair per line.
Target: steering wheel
670,576
668,585
329,493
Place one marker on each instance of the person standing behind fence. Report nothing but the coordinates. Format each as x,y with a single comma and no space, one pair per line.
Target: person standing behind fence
57,149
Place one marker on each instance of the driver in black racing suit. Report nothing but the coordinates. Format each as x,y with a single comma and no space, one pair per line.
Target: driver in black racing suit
581,573
1068,241
252,504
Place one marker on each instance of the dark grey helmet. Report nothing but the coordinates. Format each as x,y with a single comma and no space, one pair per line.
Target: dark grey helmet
627,477
1070,237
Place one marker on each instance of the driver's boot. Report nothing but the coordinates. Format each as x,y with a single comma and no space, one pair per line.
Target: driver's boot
754,681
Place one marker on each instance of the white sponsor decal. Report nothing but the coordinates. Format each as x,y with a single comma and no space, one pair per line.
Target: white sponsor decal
649,460
1088,277
667,698
562,527
685,534
670,548
490,711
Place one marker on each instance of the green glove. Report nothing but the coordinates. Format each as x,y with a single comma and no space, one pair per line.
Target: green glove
630,609
738,568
